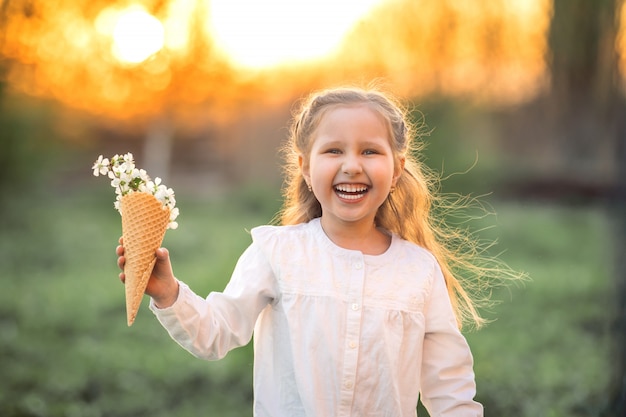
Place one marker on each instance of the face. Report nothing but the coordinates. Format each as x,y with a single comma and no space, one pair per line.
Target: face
351,165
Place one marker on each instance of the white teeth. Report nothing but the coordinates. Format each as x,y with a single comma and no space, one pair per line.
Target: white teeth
349,188
350,196
350,191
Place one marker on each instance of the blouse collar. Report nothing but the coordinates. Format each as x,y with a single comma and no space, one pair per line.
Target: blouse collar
316,227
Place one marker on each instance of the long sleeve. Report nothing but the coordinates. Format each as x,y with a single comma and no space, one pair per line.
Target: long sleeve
448,385
336,332
209,328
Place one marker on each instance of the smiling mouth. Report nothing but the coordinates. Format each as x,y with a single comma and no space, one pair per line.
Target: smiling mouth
351,191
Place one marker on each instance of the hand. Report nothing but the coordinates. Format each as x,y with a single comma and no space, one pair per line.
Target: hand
162,286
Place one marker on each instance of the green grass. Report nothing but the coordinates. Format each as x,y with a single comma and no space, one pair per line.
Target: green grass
548,352
66,350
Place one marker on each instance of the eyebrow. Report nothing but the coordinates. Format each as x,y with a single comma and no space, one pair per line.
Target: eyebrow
367,143
374,144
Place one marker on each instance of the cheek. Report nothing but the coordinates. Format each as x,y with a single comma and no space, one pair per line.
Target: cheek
318,172
318,165
388,169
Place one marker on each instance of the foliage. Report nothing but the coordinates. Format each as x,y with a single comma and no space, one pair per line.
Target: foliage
25,147
67,350
548,352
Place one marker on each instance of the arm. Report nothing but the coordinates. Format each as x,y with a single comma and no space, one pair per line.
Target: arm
212,327
448,385
209,328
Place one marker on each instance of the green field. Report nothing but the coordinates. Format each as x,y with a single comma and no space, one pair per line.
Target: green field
66,350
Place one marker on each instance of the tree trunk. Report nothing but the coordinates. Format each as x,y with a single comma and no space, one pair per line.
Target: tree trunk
617,404
573,138
569,133
581,103
157,151
586,119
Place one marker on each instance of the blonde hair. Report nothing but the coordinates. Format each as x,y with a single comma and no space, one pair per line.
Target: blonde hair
409,210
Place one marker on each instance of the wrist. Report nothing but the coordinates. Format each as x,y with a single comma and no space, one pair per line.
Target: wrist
167,300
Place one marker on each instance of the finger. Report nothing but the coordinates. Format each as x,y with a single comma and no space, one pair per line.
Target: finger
162,254
119,251
121,240
122,277
121,261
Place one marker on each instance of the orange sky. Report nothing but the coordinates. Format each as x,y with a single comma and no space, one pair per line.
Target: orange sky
68,51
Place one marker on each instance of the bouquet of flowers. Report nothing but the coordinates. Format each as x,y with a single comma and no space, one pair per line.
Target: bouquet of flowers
147,208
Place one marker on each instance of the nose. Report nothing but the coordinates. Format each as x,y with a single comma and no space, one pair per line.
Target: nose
352,164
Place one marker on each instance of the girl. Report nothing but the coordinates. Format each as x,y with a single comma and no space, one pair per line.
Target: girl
352,301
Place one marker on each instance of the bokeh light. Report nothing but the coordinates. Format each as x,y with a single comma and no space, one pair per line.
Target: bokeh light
262,34
136,35
143,59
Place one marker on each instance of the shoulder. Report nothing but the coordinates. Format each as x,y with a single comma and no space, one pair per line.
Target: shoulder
413,249
273,235
404,249
285,244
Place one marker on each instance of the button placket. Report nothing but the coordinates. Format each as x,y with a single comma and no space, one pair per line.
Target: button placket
354,313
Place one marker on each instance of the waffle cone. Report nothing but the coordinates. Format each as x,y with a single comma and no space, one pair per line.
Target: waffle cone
144,221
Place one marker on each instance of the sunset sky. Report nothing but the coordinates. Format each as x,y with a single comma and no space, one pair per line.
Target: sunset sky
126,59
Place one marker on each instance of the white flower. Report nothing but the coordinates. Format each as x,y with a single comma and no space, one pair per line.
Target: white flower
160,193
101,166
115,183
126,179
128,159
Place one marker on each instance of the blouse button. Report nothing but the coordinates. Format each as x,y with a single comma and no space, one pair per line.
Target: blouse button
348,384
352,345
358,265
355,306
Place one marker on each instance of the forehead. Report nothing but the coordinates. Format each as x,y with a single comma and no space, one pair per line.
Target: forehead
358,120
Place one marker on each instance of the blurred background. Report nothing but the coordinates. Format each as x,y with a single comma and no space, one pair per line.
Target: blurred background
524,103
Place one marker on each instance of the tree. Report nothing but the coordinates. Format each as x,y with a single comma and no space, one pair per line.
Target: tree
588,119
61,51
583,116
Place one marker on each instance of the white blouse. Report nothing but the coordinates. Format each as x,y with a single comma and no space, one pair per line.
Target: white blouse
336,332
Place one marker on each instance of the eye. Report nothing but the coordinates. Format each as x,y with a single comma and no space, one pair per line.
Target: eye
370,152
333,151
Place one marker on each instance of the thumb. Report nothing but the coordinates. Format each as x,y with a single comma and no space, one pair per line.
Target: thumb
163,267
162,254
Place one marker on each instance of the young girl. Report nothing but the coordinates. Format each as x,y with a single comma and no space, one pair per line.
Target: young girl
352,301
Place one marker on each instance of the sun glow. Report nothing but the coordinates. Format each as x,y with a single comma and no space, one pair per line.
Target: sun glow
136,34
126,64
267,33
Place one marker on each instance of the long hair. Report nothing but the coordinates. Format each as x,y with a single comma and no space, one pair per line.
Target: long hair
415,211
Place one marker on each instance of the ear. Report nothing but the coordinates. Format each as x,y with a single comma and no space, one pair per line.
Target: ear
304,169
398,170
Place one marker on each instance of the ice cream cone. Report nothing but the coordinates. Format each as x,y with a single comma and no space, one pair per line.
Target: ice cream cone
144,221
